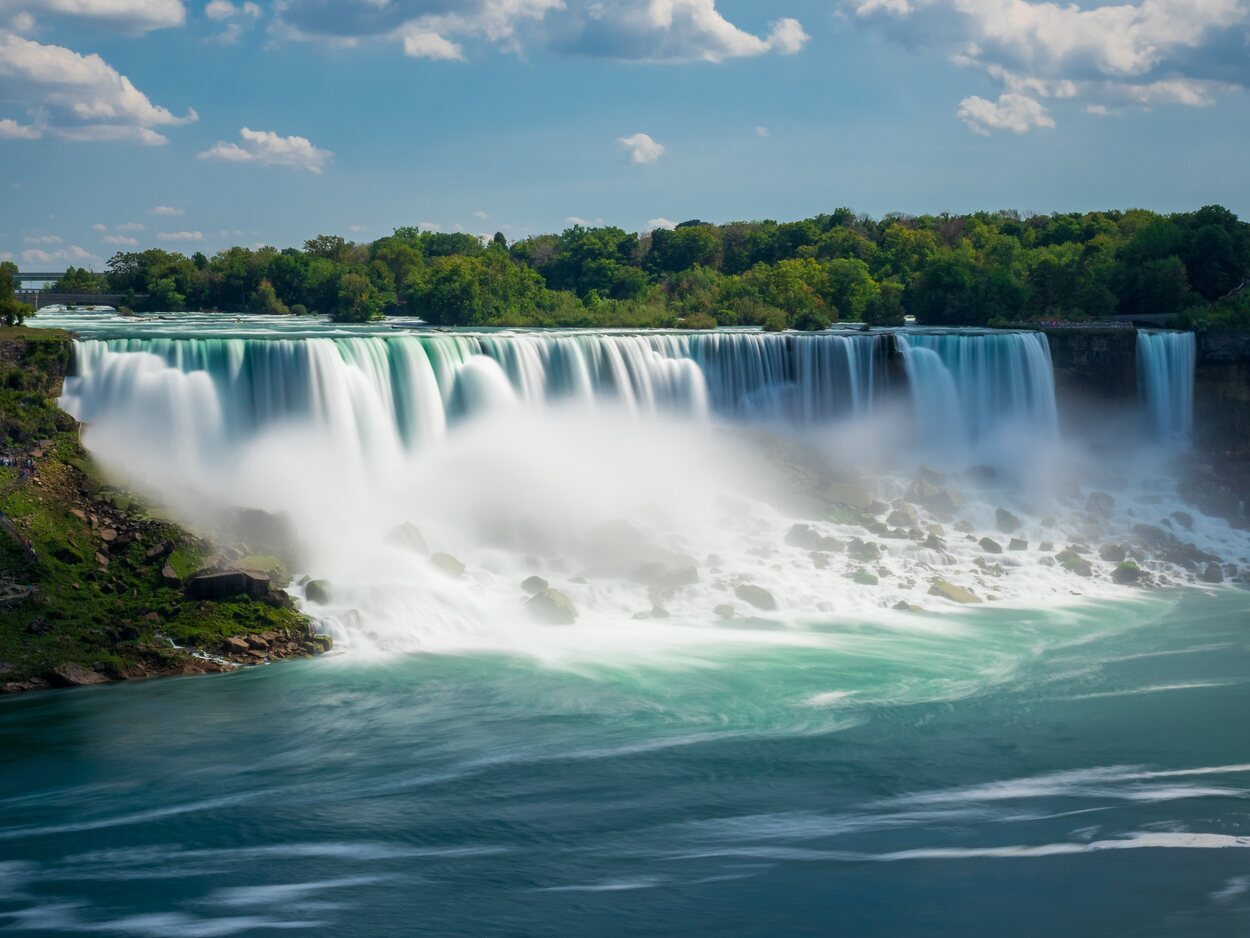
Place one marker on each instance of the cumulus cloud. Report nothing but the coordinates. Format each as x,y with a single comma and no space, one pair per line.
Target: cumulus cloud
655,223
577,220
763,132
121,240
634,30
236,17
1144,52
641,148
1015,112
180,236
43,239
269,149
167,210
480,215
130,226
72,254
75,97
127,16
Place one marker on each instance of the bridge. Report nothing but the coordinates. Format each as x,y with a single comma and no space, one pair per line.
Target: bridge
43,298
39,276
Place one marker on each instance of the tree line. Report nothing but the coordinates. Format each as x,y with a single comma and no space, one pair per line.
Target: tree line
977,269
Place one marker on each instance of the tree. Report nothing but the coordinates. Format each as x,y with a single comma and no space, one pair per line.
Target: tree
358,301
265,300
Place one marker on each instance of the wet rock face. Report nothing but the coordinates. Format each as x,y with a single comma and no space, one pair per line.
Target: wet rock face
1006,521
956,594
991,546
533,584
1127,573
552,607
74,675
317,591
408,537
756,596
447,564
226,585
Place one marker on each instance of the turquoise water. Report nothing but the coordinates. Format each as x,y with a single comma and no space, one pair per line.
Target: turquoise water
1083,773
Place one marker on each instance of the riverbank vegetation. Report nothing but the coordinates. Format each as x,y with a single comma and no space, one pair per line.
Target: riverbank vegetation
94,585
974,269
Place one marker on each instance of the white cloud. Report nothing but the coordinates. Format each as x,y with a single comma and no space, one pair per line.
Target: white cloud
76,97
429,226
220,10
577,220
12,130
655,223
43,239
121,240
481,215
763,132
128,16
73,254
180,236
641,148
130,226
634,30
168,210
357,229
237,19
267,148
1142,52
99,227
1015,112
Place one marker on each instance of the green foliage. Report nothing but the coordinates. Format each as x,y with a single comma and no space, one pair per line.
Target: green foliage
944,269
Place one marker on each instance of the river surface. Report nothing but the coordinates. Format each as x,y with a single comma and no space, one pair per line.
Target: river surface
865,758
1014,781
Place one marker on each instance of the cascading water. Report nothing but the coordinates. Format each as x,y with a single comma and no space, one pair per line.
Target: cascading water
1165,380
970,386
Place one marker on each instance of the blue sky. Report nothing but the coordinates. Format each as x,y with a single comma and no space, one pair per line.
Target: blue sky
122,122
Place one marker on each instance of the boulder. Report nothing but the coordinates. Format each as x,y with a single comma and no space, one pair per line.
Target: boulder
1212,573
447,564
1101,504
1126,573
235,646
70,674
408,537
170,578
990,546
1184,519
756,596
1007,522
806,537
724,611
665,575
904,516
863,551
853,494
865,578
317,591
534,584
219,585
926,493
553,607
1018,543
956,594
1073,562
1112,553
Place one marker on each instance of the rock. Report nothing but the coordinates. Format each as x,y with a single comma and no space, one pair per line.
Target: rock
819,561
806,537
756,596
933,542
534,584
108,535
78,513
990,546
1046,546
447,564
226,585
1184,519
852,494
74,675
904,516
1126,573
1073,562
1112,553
982,474
863,551
255,641
928,494
101,560
865,578
1007,522
932,476
553,607
170,578
963,527
1213,573
317,591
408,537
724,611
956,594
1100,503
322,642
158,551
904,606
1018,543
1150,535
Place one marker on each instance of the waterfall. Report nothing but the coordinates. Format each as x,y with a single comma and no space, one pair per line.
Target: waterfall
1165,381
378,392
968,386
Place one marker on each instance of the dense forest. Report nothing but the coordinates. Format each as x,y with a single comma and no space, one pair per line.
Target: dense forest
977,269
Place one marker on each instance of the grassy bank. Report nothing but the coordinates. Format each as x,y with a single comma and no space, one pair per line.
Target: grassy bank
92,583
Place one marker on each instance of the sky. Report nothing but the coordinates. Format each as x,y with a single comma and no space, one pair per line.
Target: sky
193,126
